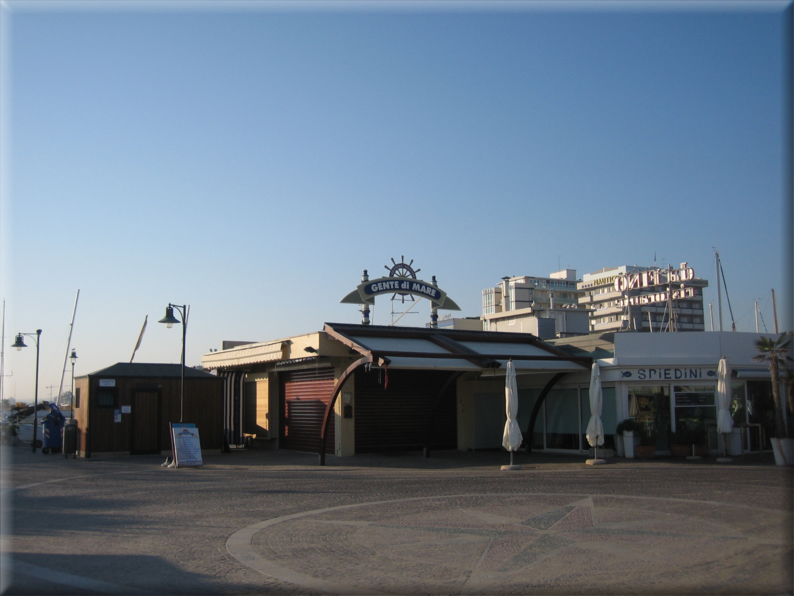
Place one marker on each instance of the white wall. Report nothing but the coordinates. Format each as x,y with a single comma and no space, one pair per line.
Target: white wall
703,348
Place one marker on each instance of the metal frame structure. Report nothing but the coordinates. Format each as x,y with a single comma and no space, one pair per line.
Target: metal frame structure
450,342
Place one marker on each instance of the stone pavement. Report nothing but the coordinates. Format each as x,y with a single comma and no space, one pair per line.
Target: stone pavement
273,522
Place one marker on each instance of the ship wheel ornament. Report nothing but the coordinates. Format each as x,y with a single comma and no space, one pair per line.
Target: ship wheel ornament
402,269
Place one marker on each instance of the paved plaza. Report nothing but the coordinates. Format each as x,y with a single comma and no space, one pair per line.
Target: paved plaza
273,522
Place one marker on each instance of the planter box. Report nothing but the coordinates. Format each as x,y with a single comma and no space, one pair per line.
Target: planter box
733,442
645,451
630,443
680,450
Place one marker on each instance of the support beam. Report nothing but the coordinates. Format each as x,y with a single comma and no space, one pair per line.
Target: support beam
367,359
536,410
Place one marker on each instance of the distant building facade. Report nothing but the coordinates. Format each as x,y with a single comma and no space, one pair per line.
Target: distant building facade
636,298
612,299
546,307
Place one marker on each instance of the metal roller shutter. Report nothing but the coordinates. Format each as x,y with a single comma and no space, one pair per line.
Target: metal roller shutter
396,418
304,397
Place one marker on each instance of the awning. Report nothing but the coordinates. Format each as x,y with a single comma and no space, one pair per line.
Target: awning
245,355
419,348
752,373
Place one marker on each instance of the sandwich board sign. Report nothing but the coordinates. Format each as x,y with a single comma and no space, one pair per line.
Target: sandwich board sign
185,444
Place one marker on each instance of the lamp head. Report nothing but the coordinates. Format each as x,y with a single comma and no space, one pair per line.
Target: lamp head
169,319
73,356
19,343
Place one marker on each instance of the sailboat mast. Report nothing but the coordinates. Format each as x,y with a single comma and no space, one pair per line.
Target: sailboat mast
3,354
68,345
719,291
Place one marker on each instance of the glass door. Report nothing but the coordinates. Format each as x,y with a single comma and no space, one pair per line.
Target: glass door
650,406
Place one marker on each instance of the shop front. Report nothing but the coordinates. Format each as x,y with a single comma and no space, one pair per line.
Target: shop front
363,388
668,384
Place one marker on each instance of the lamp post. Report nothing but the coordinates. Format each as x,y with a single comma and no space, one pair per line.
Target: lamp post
73,358
19,344
169,319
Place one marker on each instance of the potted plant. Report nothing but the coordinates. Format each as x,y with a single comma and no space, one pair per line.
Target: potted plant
647,447
775,352
629,430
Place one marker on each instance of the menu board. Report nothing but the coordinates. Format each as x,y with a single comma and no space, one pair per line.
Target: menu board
186,444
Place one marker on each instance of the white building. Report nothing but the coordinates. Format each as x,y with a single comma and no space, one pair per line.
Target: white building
546,307
636,298
665,381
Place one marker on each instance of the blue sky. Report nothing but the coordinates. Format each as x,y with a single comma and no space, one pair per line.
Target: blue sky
252,159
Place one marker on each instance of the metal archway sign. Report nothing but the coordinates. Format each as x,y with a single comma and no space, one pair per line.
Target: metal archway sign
365,292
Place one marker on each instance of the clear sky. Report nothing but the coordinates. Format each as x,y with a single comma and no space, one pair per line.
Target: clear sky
251,159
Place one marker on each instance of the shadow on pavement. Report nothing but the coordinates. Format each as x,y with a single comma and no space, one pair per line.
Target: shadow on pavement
59,574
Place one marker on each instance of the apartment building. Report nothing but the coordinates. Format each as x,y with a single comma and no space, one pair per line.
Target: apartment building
546,307
637,298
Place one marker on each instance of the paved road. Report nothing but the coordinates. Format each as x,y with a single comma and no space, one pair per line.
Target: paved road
260,522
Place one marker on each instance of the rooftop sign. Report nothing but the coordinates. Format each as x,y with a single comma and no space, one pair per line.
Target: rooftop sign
365,293
654,277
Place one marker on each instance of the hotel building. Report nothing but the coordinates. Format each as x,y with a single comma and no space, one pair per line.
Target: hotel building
546,307
635,298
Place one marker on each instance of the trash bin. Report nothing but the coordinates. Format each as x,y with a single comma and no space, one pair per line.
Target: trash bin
52,437
70,439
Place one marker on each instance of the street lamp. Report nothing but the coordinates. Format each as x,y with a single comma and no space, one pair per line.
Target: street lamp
19,344
73,358
169,319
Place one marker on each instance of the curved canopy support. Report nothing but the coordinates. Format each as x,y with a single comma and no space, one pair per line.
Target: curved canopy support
536,410
366,359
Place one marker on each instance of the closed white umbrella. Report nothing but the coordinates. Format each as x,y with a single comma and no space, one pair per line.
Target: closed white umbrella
595,429
634,409
511,439
724,398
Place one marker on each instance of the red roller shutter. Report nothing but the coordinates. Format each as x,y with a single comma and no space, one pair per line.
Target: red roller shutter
305,395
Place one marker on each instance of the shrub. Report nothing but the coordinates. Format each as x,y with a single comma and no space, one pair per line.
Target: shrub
629,424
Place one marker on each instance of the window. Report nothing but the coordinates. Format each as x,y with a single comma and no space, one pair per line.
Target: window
77,398
650,406
695,407
106,399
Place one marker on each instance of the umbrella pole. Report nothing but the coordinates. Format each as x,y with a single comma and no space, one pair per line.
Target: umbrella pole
511,458
724,458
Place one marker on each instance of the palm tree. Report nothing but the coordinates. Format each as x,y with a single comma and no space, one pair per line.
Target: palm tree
775,351
788,381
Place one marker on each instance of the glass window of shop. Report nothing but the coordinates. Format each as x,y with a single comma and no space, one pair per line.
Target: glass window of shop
761,413
650,406
562,419
564,416
696,408
738,403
